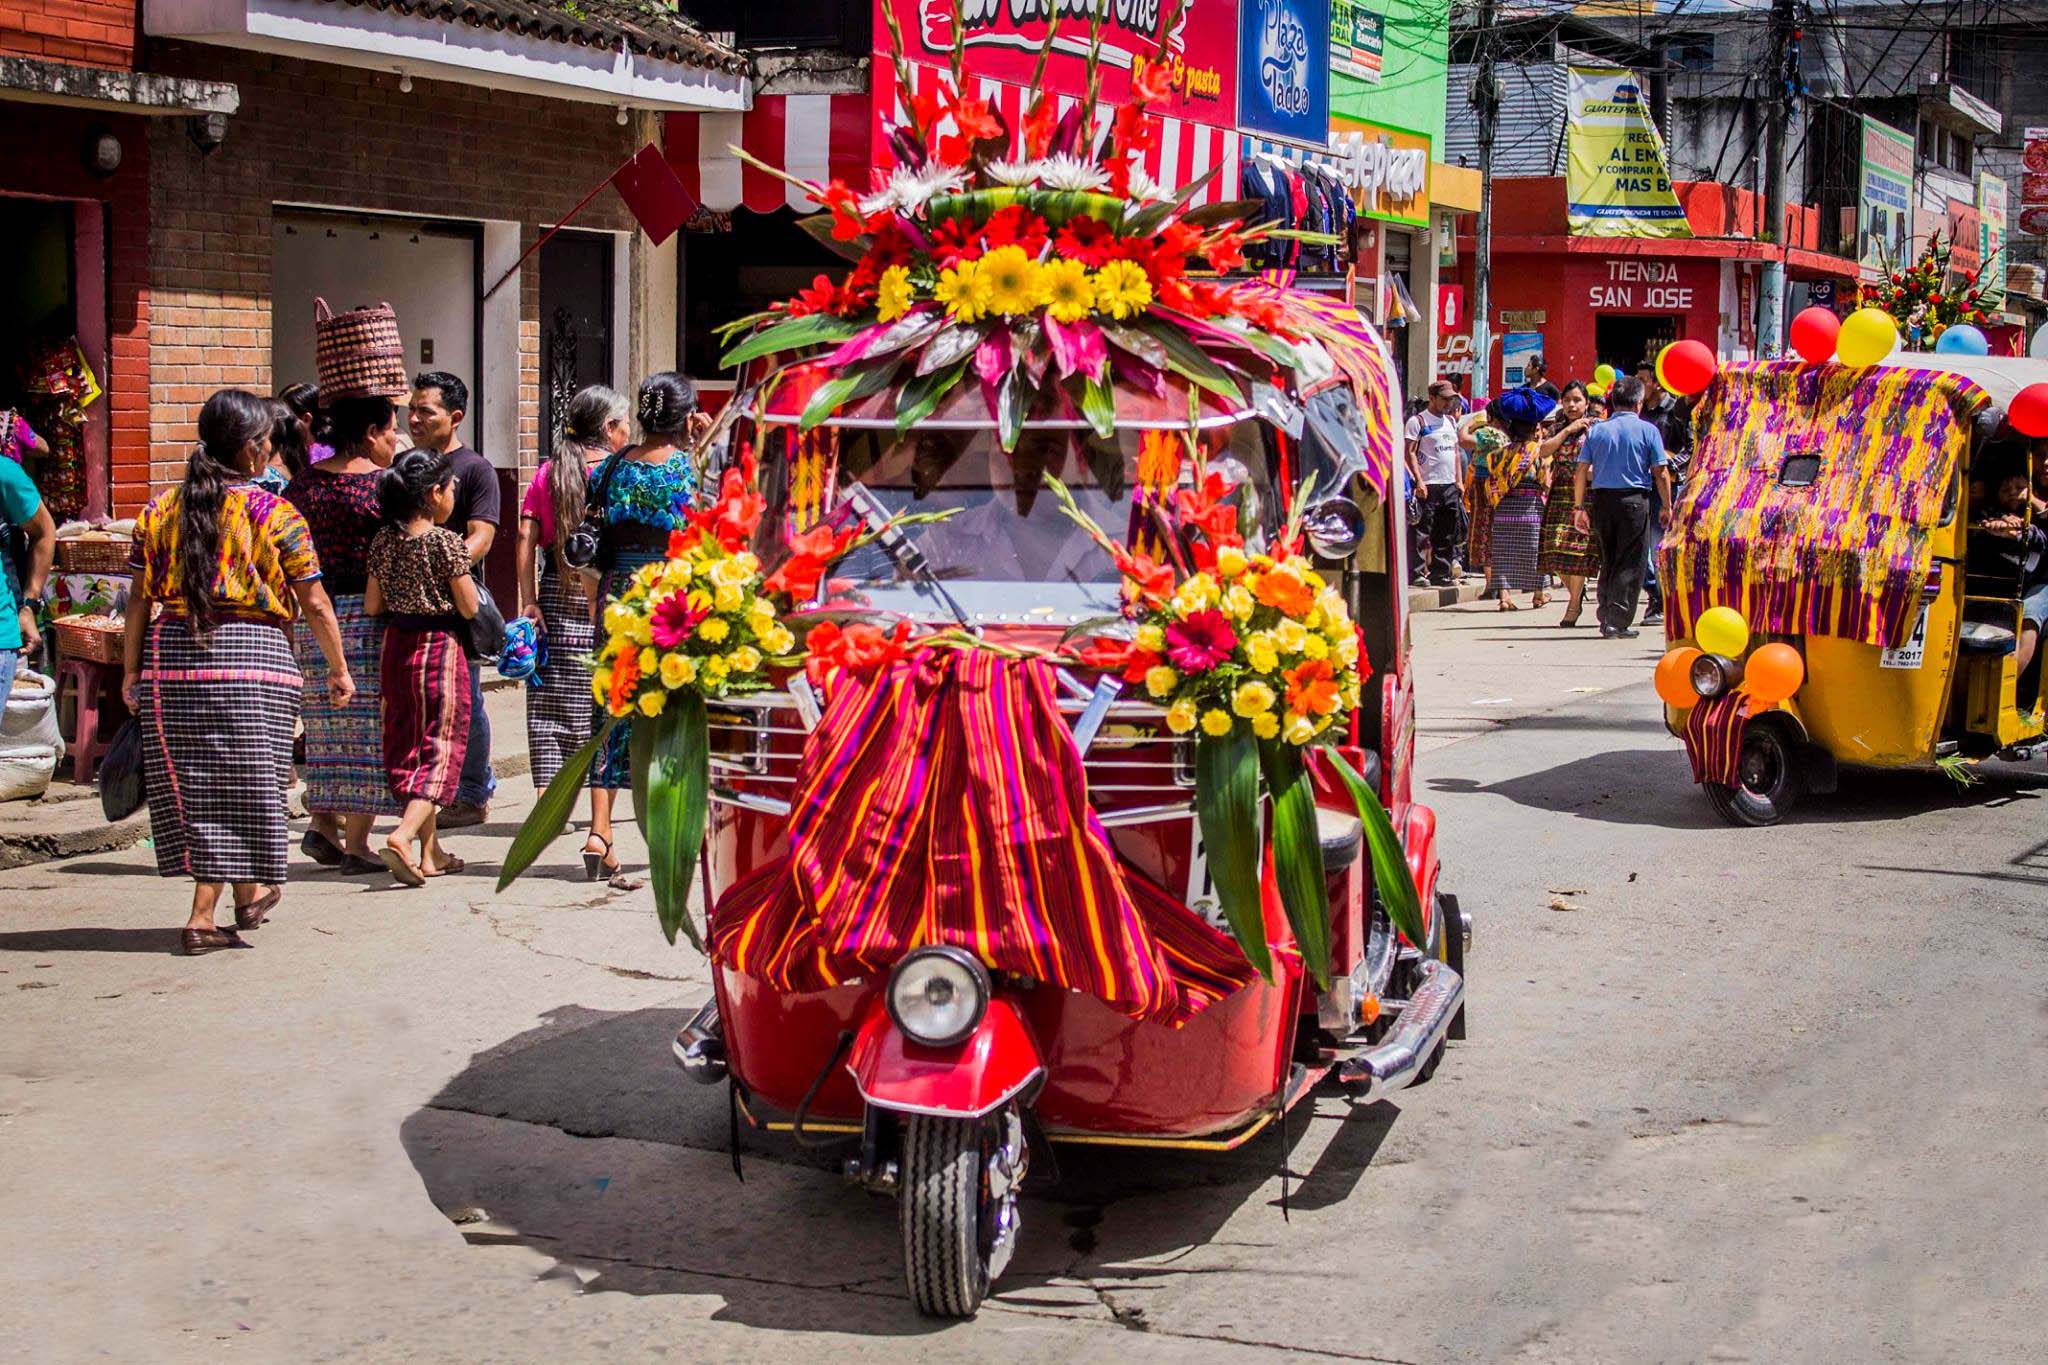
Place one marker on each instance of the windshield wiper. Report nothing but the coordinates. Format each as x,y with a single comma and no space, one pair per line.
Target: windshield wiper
889,538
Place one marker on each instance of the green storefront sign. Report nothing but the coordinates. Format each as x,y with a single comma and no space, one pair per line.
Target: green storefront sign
1358,41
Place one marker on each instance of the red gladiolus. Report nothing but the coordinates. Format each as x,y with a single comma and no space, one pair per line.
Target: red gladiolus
819,298
847,223
1039,126
925,110
1201,642
1203,507
975,120
1144,577
810,555
1154,81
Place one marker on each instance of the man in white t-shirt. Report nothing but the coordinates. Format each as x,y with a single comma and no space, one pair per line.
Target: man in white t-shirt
1436,464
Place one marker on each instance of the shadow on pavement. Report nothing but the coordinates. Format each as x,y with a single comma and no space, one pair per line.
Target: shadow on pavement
1620,786
166,941
769,1246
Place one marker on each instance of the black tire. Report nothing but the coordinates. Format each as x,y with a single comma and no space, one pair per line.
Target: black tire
941,1196
1770,785
1454,955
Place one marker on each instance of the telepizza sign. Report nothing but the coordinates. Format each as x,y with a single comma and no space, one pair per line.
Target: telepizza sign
1003,37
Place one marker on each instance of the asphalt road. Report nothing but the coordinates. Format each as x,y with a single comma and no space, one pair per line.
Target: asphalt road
1728,1095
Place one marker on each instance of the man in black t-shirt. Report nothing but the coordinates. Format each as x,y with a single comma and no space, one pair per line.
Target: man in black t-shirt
439,403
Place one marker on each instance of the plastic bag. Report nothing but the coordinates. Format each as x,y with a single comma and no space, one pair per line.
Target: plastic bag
121,791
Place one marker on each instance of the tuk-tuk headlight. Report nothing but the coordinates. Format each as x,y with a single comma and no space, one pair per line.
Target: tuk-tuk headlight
1713,674
938,995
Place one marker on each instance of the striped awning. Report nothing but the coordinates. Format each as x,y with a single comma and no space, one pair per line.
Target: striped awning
835,137
817,137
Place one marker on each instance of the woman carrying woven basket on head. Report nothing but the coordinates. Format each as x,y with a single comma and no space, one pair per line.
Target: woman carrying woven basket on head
556,596
212,680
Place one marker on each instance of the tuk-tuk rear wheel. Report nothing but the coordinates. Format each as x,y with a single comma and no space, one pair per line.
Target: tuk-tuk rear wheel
1770,786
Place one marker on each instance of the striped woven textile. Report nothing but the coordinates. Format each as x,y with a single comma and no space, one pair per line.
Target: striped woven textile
1845,555
1361,358
344,746
217,723
1713,739
558,710
944,803
426,713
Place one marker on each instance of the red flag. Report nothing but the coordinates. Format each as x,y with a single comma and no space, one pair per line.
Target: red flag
653,192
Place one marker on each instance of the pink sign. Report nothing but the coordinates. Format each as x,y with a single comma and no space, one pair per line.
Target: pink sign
1003,38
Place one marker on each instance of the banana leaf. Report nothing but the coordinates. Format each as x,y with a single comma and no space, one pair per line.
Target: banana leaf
1389,861
1190,361
820,225
1227,805
1098,405
916,399
857,382
550,815
672,796
813,329
954,343
1298,855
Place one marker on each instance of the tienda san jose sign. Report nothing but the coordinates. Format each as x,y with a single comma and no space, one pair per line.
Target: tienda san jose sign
1003,37
1640,285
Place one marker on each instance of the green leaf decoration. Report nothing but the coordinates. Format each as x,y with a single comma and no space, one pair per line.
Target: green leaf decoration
1013,398
672,795
1190,361
1060,207
819,225
1389,861
1098,405
953,344
1143,222
1139,344
813,329
1228,211
550,815
917,398
1298,855
858,382
905,332
1227,807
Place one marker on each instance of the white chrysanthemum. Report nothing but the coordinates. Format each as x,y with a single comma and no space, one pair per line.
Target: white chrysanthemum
1144,187
1016,174
908,189
1071,173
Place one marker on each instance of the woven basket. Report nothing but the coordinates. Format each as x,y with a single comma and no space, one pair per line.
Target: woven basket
94,556
359,353
96,639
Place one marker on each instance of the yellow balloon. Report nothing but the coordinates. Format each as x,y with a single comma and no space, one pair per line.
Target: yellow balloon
1868,335
1721,630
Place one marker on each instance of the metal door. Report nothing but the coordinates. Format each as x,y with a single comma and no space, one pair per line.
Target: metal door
575,323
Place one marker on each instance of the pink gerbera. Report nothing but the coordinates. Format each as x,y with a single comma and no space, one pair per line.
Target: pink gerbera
1201,642
672,621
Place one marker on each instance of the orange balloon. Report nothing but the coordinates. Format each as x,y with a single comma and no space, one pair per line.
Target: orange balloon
1674,678
1773,673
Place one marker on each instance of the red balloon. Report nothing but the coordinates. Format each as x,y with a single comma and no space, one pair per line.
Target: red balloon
1689,366
1814,332
2029,411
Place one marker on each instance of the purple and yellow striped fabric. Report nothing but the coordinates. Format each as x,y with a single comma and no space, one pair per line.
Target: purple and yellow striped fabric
944,803
1356,348
1713,738
1845,555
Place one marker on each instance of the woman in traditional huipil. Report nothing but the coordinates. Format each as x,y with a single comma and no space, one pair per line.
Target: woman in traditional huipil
1482,441
346,788
554,595
1517,484
644,492
212,679
1573,555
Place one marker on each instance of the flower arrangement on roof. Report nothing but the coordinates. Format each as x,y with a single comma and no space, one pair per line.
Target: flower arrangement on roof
1041,262
1921,299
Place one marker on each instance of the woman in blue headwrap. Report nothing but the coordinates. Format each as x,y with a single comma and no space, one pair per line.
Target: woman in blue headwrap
1516,485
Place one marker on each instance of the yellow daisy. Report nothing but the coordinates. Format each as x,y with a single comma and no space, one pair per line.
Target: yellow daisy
1012,281
1122,289
964,291
893,294
1266,726
1216,723
1068,292
713,630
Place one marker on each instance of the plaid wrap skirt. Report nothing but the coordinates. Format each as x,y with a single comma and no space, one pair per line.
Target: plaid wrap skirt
217,721
344,745
558,717
426,713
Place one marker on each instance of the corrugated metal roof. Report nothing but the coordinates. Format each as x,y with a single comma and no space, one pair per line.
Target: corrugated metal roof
644,27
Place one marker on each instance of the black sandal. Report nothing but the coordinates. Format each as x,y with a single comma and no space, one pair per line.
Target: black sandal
255,912
598,867
321,849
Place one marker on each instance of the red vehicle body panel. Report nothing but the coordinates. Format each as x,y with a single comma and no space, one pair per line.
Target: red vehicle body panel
966,1080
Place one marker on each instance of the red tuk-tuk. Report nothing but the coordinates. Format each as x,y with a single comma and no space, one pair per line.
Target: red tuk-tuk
943,1072
1089,543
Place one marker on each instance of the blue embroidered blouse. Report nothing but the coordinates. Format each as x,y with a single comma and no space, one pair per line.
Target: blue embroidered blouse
655,495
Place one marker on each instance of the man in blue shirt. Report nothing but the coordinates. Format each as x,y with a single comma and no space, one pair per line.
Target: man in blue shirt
1618,463
22,506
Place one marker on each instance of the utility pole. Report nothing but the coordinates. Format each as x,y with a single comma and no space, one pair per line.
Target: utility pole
1784,64
1485,97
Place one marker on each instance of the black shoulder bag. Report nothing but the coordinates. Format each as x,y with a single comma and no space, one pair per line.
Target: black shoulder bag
590,546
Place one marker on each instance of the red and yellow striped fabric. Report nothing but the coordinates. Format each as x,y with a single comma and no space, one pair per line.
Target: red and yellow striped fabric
944,803
1713,738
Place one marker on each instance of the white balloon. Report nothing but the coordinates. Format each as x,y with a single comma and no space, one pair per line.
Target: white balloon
2038,348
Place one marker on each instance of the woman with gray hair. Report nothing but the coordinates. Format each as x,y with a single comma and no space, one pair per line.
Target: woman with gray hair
554,595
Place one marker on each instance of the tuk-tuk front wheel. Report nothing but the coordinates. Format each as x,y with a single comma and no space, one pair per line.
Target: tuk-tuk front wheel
1770,783
959,1194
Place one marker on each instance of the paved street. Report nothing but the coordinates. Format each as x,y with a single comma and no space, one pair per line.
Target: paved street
1728,1095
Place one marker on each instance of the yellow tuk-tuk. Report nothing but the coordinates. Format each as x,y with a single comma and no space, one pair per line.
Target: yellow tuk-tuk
1835,509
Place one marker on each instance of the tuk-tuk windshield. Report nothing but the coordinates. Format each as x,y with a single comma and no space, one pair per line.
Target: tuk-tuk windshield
1006,553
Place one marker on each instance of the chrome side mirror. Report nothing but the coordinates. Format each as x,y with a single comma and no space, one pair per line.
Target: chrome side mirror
1334,528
